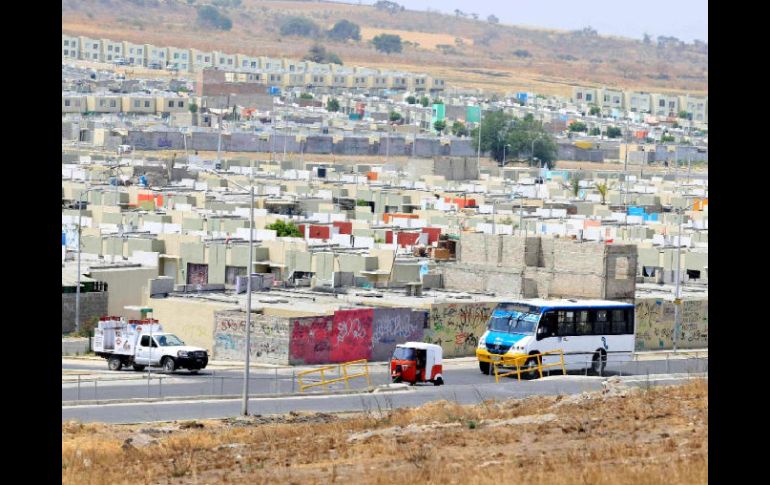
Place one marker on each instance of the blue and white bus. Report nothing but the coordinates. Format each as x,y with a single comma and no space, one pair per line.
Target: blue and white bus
589,332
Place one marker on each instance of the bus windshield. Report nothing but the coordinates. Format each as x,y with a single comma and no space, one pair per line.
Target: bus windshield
514,322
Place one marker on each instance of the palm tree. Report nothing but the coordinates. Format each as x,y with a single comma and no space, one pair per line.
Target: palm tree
602,189
575,186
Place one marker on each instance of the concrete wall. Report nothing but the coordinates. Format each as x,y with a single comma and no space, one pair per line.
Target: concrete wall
92,304
192,320
126,286
392,326
74,346
456,327
655,324
269,337
343,337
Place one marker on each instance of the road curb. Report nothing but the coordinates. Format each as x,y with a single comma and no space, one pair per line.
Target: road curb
377,390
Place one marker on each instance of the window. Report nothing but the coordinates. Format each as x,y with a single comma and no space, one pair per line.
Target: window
618,322
207,59
137,103
74,43
180,104
176,55
583,324
662,103
601,324
589,97
131,50
147,104
96,46
109,48
66,52
162,54
548,325
230,61
198,57
184,56
66,42
606,98
102,103
113,103
146,342
566,323
254,64
117,49
672,104
67,103
579,96
170,104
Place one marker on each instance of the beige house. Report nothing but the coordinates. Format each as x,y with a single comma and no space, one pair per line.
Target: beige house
697,105
171,104
200,60
611,99
435,85
134,54
638,102
224,61
247,63
581,95
665,105
104,103
73,103
418,83
156,56
111,50
70,46
318,79
136,103
179,58
398,81
90,49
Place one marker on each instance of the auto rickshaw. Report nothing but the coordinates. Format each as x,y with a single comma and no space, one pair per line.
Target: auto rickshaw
415,362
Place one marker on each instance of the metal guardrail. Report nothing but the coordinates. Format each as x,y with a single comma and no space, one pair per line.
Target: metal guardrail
341,369
520,360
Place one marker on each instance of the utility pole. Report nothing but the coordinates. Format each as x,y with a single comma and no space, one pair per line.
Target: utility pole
677,296
478,156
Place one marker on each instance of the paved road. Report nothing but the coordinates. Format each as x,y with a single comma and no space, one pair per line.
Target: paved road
463,394
128,384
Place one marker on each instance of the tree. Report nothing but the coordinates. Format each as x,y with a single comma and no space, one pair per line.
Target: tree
332,105
647,39
283,229
574,184
411,100
493,20
595,110
192,107
299,26
667,139
459,128
391,7
439,125
424,101
211,18
521,53
344,30
319,54
614,132
438,101
475,16
524,137
305,96
595,132
602,189
387,43
577,126
684,115
394,117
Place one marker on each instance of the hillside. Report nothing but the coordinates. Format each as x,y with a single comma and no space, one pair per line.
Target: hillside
466,52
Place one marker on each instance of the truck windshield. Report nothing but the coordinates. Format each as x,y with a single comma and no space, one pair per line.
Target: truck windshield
403,353
514,322
169,341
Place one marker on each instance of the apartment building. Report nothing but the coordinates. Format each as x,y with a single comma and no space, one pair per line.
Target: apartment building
247,63
418,83
638,102
697,105
665,105
398,81
70,46
611,99
90,49
171,103
435,85
200,60
179,58
73,103
156,56
224,61
111,50
134,54
581,95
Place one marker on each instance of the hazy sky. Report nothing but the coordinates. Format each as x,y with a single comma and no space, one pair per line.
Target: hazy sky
684,19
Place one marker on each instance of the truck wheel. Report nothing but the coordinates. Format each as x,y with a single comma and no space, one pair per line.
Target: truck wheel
115,363
484,366
168,364
438,382
139,368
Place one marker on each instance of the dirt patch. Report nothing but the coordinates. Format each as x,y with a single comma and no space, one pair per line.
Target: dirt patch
611,436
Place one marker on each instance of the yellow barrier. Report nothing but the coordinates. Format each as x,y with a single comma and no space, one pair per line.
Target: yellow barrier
519,360
342,369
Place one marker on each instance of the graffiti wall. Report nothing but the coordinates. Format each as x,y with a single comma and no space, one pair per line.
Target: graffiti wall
269,338
351,335
457,327
655,324
310,340
392,326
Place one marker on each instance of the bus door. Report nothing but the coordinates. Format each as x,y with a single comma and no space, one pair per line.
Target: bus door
547,336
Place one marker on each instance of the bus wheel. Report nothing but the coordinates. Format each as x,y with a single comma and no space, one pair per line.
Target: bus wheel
484,366
598,364
530,368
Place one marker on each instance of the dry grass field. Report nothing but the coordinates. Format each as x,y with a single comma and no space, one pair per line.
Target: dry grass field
478,54
630,436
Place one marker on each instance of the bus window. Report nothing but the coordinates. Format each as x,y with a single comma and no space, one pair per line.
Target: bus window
630,322
583,323
548,326
566,323
601,325
618,322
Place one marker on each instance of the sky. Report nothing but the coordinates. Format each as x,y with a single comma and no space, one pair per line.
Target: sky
686,20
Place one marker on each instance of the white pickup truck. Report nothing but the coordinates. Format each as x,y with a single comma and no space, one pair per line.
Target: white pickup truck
140,343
